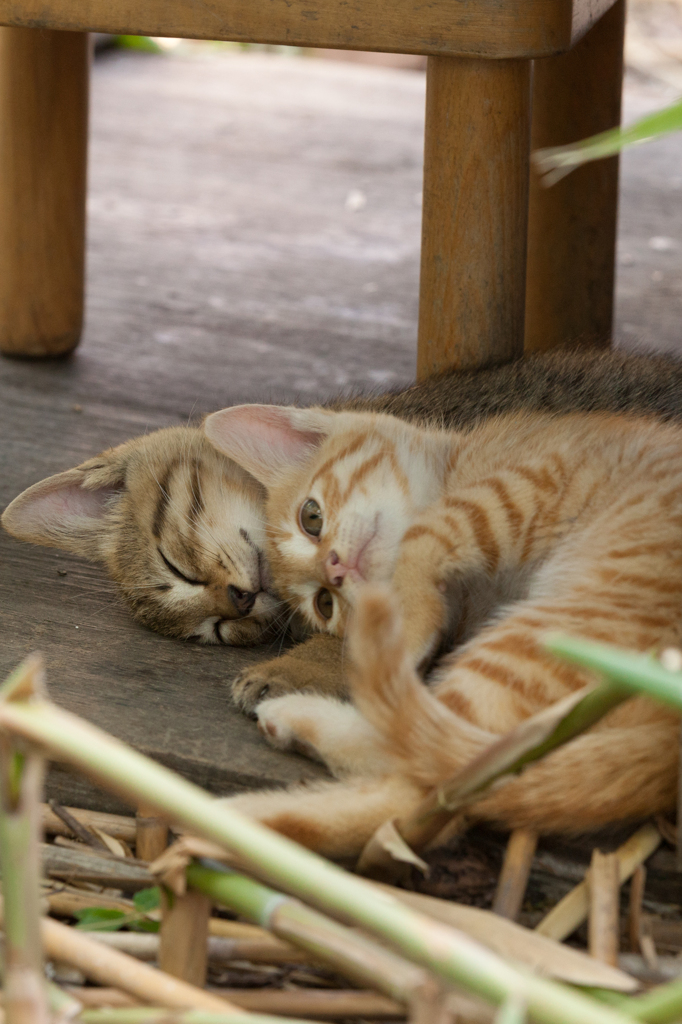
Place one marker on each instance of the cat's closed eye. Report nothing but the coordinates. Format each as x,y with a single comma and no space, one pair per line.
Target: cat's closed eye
176,572
324,603
311,520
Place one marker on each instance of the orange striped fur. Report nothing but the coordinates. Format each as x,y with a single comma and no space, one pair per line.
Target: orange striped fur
487,539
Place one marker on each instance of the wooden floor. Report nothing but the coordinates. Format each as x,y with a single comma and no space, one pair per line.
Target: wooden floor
253,234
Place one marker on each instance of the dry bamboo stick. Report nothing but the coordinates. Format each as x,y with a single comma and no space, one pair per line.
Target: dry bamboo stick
116,825
146,946
450,955
65,901
328,1004
637,886
238,930
86,865
604,892
110,967
351,954
90,995
151,833
319,1003
511,887
157,1015
21,782
572,910
325,1004
77,828
183,936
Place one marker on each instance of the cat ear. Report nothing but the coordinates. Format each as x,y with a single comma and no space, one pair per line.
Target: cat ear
68,510
268,440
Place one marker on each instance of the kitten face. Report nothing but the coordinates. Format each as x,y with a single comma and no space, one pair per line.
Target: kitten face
179,527
342,490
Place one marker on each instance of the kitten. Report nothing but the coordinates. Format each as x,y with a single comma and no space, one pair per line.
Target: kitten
105,509
177,525
576,520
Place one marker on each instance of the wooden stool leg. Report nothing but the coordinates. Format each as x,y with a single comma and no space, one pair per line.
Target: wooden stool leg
473,260
572,226
43,142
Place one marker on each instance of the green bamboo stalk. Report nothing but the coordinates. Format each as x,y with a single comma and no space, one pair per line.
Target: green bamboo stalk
21,781
637,672
351,954
154,1015
443,950
558,161
660,1005
513,1011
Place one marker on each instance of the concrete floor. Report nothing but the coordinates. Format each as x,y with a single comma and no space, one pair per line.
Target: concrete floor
254,226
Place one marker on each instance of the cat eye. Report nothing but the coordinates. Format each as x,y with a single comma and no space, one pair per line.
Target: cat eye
324,603
310,518
176,572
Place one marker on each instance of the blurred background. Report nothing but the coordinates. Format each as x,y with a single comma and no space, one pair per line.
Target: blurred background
254,222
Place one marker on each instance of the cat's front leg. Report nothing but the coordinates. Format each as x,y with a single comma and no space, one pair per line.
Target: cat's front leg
326,730
439,550
314,666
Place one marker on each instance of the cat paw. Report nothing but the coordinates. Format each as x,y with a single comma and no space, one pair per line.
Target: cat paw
258,683
283,723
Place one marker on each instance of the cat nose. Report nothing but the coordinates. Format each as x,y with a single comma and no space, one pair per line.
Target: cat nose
243,600
335,569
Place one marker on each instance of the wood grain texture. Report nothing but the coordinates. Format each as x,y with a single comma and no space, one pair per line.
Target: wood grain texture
587,13
43,144
167,698
572,225
473,258
485,28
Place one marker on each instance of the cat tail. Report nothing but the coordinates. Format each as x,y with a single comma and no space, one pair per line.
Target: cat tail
430,742
624,769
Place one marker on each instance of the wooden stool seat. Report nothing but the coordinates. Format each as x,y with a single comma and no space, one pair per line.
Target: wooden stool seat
502,260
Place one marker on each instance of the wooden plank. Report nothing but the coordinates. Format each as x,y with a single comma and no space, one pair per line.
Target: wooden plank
473,258
165,697
572,226
43,145
482,28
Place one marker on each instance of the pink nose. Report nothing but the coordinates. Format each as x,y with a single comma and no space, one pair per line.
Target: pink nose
335,569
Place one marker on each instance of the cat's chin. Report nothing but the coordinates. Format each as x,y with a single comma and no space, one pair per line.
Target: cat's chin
244,632
241,632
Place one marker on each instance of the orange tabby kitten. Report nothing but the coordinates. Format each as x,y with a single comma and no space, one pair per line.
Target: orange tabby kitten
488,538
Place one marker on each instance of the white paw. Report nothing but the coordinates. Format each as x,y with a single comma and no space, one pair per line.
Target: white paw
276,723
